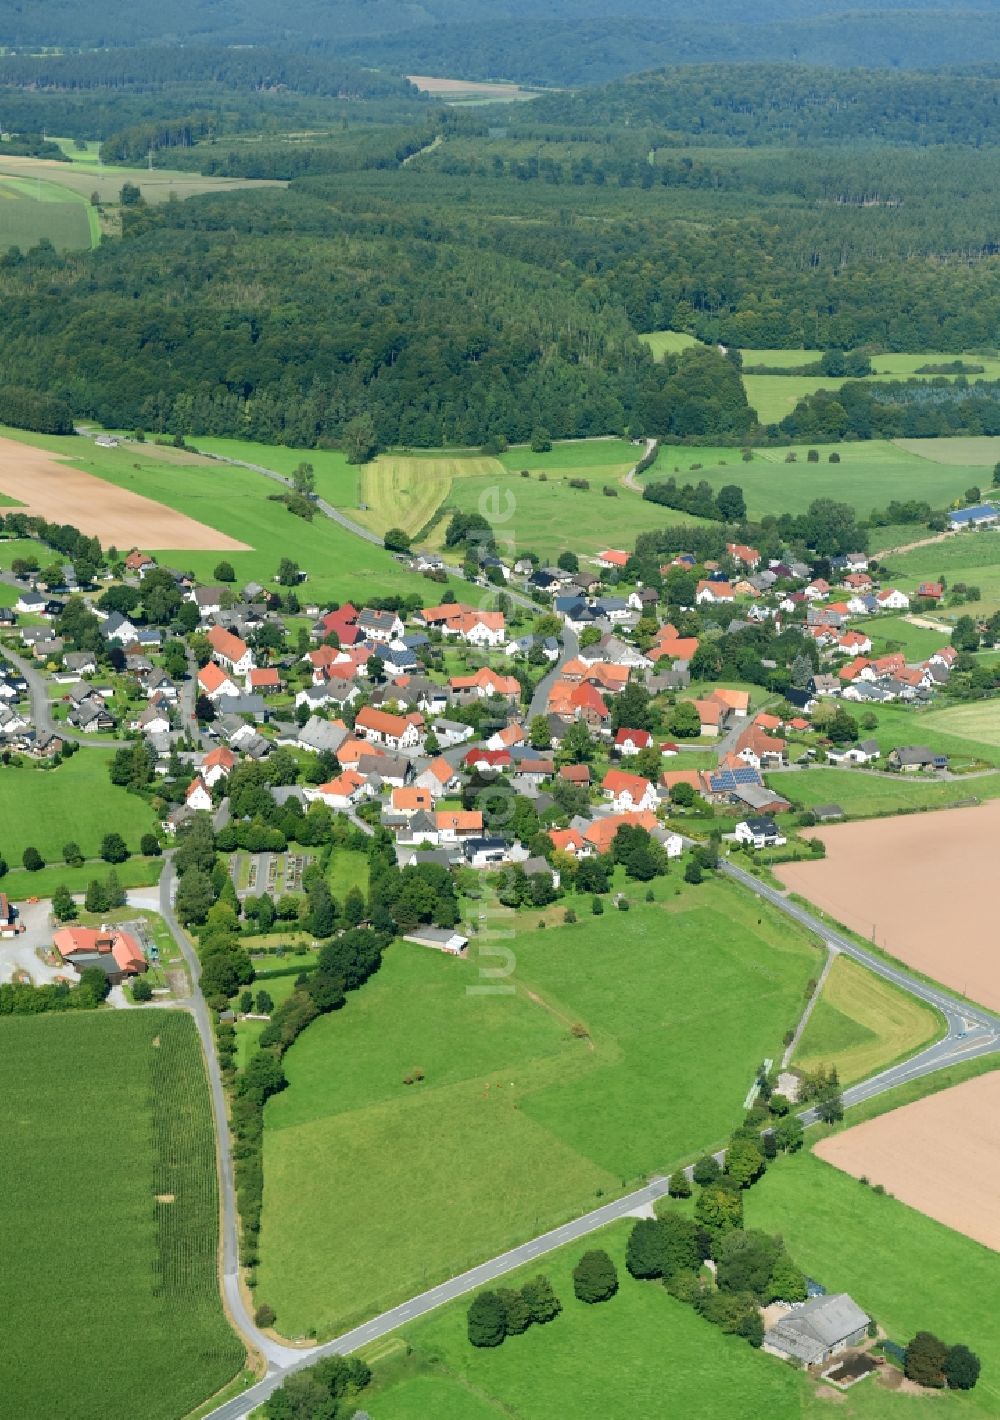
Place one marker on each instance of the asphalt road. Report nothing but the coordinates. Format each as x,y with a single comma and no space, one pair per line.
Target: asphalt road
41,706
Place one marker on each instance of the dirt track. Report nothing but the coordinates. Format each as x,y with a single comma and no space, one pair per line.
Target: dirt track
924,883
940,1155
53,489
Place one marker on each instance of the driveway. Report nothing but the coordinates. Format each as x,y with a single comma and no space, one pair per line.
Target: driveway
19,954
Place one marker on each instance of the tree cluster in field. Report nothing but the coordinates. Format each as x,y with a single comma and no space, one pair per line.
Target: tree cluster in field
821,1089
320,1392
726,506
495,1315
932,1362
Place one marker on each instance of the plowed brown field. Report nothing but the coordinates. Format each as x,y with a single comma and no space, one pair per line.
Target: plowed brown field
940,1155
53,489
922,886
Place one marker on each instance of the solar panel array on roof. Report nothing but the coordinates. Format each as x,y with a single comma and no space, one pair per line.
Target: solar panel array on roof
724,781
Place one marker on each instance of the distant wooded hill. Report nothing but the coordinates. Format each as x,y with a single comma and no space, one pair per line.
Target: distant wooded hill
559,42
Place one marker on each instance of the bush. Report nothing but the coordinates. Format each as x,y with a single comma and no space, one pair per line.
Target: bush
679,1185
149,846
264,1315
32,860
961,1368
113,848
595,1278
142,990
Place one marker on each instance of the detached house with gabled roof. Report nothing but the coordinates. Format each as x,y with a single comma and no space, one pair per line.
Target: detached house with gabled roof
215,683
230,651
393,731
629,793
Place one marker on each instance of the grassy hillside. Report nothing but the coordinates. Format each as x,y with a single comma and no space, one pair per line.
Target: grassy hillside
76,801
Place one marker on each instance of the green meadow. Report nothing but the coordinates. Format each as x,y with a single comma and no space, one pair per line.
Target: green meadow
76,801
108,1175
869,475
239,502
31,209
594,1069
622,1357
863,795
972,558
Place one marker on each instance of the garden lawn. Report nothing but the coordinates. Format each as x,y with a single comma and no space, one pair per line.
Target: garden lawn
869,475
615,1359
84,1163
863,795
348,868
861,1024
75,802
907,1271
519,1121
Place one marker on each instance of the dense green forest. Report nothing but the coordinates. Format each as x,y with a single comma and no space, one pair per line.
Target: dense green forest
450,276
557,42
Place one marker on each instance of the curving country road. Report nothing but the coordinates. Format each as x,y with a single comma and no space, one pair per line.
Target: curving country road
971,1030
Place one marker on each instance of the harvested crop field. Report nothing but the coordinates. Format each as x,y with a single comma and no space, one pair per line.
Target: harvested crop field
52,488
903,1151
921,887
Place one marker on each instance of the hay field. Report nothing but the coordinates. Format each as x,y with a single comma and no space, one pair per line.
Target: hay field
32,210
862,1024
921,887
978,452
406,492
903,1151
51,487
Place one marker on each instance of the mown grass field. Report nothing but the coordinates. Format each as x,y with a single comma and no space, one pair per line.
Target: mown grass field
46,808
405,491
549,517
895,633
897,725
519,1121
112,1307
863,795
337,481
31,210
862,1024
617,1358
348,868
907,1271
976,451
19,884
869,475
978,723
